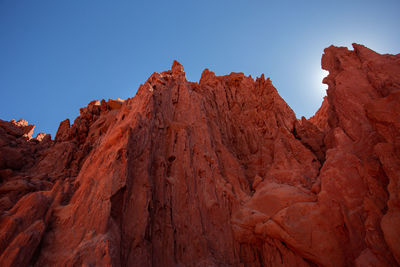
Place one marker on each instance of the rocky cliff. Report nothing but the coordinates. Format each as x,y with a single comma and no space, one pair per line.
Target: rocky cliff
214,173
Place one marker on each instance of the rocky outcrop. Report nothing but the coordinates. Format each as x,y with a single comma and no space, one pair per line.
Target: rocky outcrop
214,173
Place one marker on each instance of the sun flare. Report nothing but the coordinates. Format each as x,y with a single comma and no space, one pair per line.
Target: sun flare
319,77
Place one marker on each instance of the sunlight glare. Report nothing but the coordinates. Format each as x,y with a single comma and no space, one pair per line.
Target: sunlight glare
321,86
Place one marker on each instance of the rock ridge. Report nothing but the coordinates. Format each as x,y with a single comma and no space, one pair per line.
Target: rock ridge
218,172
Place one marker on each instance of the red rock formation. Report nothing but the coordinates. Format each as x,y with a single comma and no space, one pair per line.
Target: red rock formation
215,173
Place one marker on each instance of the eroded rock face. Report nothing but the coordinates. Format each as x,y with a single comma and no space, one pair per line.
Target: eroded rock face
214,173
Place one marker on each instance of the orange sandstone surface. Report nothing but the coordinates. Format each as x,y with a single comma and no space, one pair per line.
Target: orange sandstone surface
214,173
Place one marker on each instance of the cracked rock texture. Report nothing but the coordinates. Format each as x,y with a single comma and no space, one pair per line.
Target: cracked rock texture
214,173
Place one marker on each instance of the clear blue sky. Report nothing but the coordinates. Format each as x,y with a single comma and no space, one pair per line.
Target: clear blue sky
57,56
